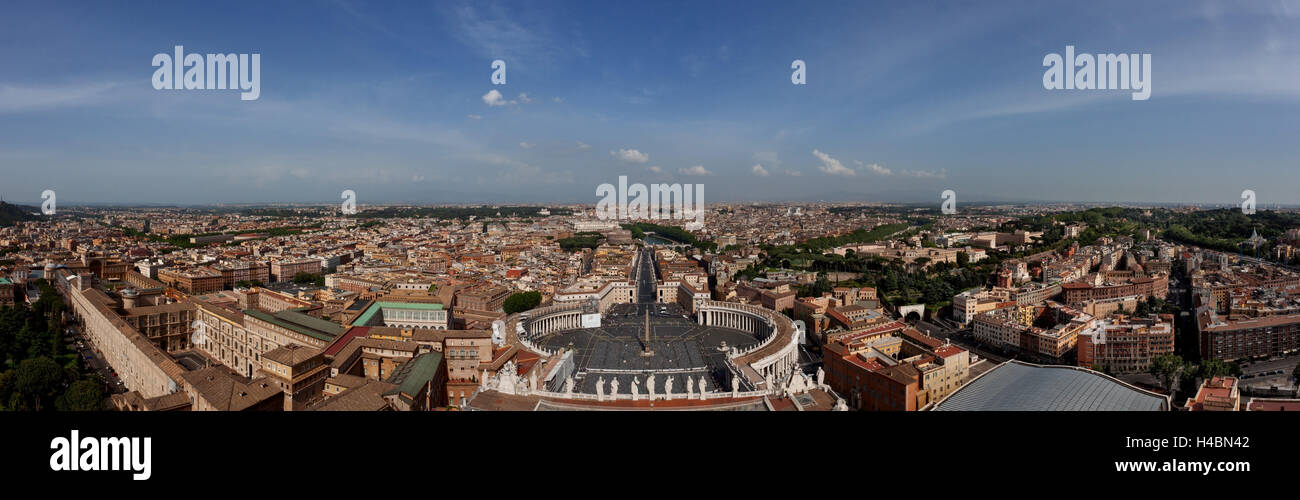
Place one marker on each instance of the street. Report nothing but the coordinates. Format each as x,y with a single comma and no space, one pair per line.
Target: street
1270,373
95,361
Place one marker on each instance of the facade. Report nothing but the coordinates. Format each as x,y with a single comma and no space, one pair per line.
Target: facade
894,373
1127,345
1231,339
233,273
1049,330
285,270
404,315
1077,293
488,299
298,371
139,363
239,339
870,384
168,325
197,281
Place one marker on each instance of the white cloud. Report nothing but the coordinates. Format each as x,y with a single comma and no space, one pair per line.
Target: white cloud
926,174
494,98
474,117
655,169
875,169
523,97
630,156
832,166
417,178
582,146
526,145
759,170
696,170
557,99
793,173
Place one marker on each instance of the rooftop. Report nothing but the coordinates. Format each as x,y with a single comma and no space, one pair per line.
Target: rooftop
414,373
300,322
364,319
1017,386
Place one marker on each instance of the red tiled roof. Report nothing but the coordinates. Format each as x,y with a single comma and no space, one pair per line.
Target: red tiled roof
342,340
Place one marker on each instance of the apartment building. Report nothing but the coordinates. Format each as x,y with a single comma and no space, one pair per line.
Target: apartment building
1126,344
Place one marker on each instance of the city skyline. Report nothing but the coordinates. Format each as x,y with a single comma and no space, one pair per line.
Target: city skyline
399,105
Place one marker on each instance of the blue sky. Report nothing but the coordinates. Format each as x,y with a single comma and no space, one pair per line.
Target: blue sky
903,101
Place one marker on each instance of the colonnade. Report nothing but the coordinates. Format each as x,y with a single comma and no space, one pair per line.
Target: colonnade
563,321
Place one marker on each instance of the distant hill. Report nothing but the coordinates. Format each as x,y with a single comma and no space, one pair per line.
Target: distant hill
9,213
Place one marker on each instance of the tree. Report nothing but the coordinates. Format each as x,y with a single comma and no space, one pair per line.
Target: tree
82,395
1167,367
38,380
305,278
522,301
818,288
1211,368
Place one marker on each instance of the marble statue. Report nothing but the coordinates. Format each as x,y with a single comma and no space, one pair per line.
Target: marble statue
636,389
735,385
668,389
821,378
690,387
600,389
613,387
650,386
702,389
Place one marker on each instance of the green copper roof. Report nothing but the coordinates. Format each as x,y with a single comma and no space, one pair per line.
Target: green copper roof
364,319
299,322
414,374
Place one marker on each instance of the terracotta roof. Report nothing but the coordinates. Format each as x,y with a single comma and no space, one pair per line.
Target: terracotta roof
225,390
291,354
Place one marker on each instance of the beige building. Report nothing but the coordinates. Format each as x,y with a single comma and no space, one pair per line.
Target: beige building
299,372
238,339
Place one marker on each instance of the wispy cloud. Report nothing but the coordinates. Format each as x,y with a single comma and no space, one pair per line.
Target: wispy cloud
697,170
630,156
832,166
14,98
494,33
874,168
